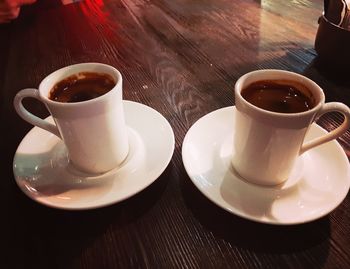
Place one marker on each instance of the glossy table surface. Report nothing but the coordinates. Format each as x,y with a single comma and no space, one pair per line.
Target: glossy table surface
181,58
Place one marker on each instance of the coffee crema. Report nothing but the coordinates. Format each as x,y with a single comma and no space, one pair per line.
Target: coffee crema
281,96
81,87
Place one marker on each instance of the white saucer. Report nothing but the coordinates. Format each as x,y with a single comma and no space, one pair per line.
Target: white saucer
43,173
318,184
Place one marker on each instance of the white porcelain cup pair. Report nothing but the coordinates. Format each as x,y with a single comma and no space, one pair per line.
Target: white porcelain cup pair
266,143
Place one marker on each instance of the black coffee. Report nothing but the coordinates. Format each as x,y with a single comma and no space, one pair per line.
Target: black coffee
279,96
82,87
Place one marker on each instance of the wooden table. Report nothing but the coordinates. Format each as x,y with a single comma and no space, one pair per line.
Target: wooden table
182,58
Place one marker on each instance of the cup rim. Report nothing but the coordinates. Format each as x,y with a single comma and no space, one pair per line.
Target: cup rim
81,67
288,75
333,24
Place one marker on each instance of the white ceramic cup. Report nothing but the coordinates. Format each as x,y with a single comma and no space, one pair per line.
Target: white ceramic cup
93,131
266,144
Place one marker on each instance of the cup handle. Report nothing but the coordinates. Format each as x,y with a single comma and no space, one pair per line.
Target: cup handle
329,107
29,117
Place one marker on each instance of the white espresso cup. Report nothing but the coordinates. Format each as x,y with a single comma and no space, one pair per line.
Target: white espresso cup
266,143
93,131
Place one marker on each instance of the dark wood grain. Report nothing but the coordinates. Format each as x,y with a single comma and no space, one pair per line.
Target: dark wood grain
181,58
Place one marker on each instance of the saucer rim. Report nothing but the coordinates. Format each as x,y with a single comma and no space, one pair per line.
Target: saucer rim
161,169
236,211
